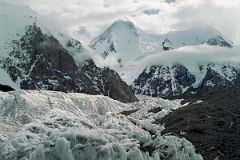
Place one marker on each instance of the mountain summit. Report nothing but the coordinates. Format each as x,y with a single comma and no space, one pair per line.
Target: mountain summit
121,37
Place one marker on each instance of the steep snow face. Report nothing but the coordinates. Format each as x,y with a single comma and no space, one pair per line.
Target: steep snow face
75,48
124,42
55,125
6,80
121,37
13,20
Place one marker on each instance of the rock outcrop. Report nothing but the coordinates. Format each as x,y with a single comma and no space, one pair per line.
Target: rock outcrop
177,80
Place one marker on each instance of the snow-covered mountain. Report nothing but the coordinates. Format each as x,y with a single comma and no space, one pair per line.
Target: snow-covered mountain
176,80
124,42
188,70
170,64
52,125
34,57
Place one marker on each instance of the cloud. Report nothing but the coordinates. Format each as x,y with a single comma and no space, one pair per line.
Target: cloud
97,15
189,56
223,15
151,11
170,1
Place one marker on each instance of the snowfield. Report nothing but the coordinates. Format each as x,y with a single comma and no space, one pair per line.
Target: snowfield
44,125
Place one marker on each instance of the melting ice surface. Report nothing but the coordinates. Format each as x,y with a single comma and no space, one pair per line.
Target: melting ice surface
44,125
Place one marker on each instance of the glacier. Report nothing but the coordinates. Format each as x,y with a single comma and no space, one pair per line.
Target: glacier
47,125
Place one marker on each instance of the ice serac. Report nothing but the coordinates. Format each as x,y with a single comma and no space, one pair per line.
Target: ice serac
37,58
50,125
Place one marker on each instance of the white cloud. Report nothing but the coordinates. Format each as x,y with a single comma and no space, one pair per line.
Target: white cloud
97,15
223,15
189,56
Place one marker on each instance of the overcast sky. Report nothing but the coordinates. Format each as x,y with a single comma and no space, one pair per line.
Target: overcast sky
91,17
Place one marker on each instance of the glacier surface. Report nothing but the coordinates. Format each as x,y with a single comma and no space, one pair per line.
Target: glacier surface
44,125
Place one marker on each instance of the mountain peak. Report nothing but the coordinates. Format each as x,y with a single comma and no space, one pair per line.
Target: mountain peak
123,23
124,42
121,27
120,37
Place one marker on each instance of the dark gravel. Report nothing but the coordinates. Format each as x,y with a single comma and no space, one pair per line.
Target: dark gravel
213,126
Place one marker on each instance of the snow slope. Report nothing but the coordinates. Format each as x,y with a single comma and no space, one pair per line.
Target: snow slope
13,20
6,80
54,125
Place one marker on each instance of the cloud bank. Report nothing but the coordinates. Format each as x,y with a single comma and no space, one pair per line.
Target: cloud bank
163,15
190,56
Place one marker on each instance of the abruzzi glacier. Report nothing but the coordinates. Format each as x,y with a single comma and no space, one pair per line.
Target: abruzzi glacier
119,80
54,125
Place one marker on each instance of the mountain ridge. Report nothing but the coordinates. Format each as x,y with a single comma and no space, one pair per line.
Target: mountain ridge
173,63
35,58
124,43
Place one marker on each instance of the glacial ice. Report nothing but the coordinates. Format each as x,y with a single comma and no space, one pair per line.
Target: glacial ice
75,126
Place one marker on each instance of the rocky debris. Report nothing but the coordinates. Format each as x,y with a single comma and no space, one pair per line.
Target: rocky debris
129,112
40,61
155,110
5,88
213,126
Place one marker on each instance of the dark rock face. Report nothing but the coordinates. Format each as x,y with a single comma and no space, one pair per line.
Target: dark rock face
109,82
160,81
5,88
182,75
213,82
218,41
213,126
176,81
167,45
41,62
